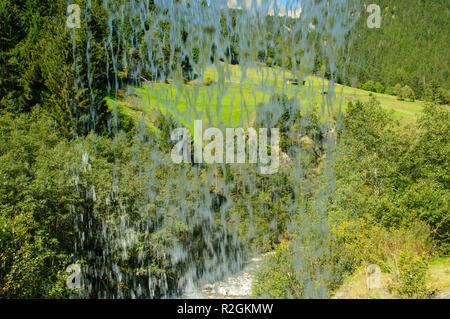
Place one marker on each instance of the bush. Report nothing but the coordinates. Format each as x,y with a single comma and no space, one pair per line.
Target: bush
373,87
407,93
438,95
37,226
411,276
398,91
379,88
359,243
391,90
276,278
208,81
444,96
369,86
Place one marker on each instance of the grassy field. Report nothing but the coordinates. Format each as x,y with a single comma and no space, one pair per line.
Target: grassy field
234,98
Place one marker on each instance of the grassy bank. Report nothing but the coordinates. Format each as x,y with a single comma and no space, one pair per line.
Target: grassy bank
437,283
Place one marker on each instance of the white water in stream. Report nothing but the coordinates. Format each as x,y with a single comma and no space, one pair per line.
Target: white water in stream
236,286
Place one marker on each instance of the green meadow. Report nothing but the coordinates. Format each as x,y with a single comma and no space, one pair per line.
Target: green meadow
234,99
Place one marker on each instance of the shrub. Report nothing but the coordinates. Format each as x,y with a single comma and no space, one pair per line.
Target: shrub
411,276
444,96
369,86
407,93
435,93
379,88
276,278
373,87
359,242
208,81
398,91
391,90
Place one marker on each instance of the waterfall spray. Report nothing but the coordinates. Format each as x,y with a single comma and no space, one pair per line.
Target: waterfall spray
182,230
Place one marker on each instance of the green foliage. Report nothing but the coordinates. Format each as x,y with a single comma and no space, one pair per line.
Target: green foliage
398,91
276,279
406,93
373,87
379,88
386,165
208,81
373,183
391,90
402,253
37,233
360,241
368,86
389,205
165,123
436,94
392,191
56,195
409,48
412,270
38,64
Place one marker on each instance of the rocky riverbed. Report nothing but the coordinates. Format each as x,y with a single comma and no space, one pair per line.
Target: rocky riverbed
236,286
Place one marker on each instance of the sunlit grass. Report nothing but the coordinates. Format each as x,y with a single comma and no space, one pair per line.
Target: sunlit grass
233,100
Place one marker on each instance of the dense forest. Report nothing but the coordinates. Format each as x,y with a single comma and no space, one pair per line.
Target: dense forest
71,168
411,48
